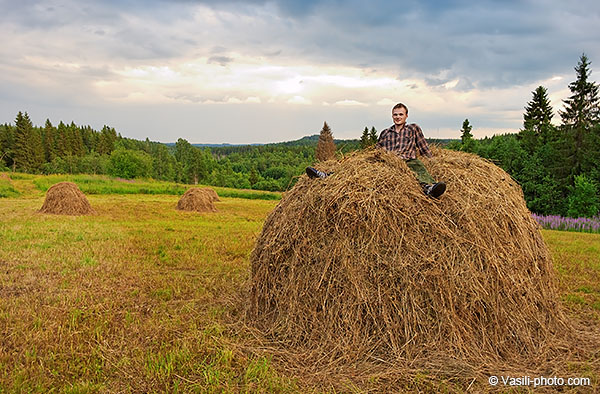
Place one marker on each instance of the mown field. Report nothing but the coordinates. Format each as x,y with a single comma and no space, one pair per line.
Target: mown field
140,297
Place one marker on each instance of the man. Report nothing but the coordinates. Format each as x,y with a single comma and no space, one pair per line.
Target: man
404,140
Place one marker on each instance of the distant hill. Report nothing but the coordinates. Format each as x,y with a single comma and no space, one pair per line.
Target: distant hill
304,141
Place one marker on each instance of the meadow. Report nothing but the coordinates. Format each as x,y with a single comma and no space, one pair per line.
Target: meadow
140,297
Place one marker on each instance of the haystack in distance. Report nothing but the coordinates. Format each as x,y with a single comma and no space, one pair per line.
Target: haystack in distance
198,200
65,198
362,262
212,193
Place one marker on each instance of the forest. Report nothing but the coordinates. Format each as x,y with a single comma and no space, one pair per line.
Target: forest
557,165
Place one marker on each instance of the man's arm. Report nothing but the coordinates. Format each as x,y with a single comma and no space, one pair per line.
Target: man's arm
421,142
381,141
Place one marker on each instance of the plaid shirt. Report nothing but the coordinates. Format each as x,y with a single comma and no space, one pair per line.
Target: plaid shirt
404,143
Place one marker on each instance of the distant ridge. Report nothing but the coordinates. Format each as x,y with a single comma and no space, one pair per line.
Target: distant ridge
306,140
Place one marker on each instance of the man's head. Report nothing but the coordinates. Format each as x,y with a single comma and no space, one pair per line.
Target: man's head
399,114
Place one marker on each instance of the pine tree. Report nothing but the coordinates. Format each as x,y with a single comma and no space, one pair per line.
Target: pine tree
29,153
63,142
581,113
49,141
7,142
364,138
373,136
37,150
106,141
466,138
538,115
76,140
325,146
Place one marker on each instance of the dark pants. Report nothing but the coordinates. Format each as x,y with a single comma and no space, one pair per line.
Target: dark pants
420,171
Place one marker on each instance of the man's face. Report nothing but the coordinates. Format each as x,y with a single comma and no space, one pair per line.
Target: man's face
399,116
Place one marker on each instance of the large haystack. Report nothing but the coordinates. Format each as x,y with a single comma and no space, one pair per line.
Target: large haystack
65,198
196,199
363,263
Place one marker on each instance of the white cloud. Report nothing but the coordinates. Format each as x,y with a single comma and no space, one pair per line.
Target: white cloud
299,100
350,103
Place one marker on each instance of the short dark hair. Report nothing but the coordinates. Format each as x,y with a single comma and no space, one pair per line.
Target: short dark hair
400,105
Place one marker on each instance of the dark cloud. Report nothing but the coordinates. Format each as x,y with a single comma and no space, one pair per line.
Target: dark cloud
222,60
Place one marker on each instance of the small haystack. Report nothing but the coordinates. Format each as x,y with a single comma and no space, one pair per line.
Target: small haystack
362,263
212,193
65,198
196,199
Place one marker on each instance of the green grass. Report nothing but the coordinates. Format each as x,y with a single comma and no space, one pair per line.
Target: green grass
105,185
135,298
7,189
576,258
140,297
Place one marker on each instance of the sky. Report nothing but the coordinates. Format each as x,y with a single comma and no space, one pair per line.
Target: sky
261,71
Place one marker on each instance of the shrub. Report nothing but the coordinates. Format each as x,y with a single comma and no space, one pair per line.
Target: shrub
128,164
583,201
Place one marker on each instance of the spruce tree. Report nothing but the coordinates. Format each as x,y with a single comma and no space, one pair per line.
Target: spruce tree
538,115
7,140
21,151
466,138
37,150
325,146
364,139
106,141
581,113
373,136
76,141
63,142
28,154
49,141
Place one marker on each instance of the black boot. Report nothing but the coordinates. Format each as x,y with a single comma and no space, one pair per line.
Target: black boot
435,190
314,173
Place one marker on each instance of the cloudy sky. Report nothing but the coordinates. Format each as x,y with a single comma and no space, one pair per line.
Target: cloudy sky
265,71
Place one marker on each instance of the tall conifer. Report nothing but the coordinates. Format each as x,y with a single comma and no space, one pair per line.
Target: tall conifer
373,136
538,115
325,146
581,113
49,141
364,138
28,154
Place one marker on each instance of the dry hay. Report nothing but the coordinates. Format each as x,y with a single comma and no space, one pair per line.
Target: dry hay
362,265
212,193
4,176
196,199
65,198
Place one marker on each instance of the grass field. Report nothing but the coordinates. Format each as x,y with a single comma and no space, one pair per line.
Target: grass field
140,297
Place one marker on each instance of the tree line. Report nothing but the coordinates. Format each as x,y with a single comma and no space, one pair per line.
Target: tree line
558,166
73,149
